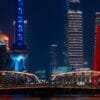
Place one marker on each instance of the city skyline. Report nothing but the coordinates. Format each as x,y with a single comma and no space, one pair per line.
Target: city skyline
49,48
45,27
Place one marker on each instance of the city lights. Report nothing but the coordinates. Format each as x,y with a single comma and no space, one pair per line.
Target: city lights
18,62
66,57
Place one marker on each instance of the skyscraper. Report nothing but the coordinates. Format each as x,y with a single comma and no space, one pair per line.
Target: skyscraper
4,57
73,34
53,58
96,63
96,66
4,52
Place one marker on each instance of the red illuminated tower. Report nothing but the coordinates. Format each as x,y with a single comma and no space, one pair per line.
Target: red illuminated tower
96,66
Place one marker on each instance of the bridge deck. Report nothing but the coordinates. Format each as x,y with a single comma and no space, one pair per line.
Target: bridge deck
50,90
49,86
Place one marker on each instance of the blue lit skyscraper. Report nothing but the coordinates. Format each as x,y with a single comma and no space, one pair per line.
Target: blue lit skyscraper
19,48
73,34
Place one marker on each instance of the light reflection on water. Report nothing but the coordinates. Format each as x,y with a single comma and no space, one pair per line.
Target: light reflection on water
23,97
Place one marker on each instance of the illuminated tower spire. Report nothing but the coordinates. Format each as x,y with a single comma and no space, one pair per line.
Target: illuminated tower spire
19,48
19,33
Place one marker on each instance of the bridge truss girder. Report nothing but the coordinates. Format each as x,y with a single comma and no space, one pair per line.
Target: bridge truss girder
79,78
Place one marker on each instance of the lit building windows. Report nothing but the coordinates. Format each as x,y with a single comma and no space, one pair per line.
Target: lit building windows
20,19
74,35
96,66
20,28
20,10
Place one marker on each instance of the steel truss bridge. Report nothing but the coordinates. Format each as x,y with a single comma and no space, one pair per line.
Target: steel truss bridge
12,78
77,78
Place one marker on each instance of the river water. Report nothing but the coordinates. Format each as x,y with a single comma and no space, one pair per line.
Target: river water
23,97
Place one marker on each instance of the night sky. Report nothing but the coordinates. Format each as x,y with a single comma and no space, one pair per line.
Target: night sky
45,26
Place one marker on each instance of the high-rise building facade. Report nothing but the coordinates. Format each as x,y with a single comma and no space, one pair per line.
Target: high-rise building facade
4,57
74,34
96,63
96,66
53,58
4,52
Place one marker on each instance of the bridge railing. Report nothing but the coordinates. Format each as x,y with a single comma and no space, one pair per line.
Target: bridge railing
11,78
81,78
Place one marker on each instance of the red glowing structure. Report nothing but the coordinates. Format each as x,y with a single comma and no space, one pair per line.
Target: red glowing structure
97,50
96,65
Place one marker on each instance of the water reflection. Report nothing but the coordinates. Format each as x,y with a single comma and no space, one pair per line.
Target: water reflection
23,97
